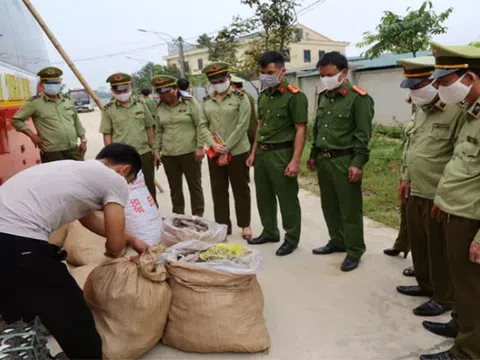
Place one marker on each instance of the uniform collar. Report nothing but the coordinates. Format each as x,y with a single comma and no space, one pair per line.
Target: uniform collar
214,95
181,102
342,91
474,109
119,104
280,89
47,99
437,105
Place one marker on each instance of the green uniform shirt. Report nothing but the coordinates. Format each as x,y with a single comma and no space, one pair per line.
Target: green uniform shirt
127,124
252,127
429,146
343,121
176,131
57,123
230,118
279,110
458,192
151,106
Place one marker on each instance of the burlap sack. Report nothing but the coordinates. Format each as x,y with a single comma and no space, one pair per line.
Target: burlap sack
83,246
214,311
130,303
58,236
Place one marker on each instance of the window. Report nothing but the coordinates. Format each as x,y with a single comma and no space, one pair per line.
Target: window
286,55
320,54
200,64
299,34
307,56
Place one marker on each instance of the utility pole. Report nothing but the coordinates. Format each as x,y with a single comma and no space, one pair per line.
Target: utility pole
182,57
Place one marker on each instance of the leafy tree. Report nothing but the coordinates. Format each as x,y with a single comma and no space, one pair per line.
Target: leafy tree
143,77
477,44
405,34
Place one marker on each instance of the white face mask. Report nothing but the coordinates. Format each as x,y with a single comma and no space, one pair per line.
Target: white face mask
423,96
222,87
269,80
123,97
332,82
52,89
454,93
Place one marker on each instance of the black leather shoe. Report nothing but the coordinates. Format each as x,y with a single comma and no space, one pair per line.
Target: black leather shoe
430,308
285,249
328,249
409,272
413,290
444,355
442,329
262,240
350,263
395,252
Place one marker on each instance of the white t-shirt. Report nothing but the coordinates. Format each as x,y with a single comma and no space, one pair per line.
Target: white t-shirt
40,199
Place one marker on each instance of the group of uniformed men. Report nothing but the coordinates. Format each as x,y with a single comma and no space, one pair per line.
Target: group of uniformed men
438,184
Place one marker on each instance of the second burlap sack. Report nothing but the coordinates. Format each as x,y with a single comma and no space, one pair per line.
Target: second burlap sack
130,303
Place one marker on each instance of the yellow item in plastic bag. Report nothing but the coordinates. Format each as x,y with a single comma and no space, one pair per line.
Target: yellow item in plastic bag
223,252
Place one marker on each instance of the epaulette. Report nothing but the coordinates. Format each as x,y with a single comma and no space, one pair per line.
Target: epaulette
238,93
206,97
475,110
441,105
462,104
359,90
108,105
293,89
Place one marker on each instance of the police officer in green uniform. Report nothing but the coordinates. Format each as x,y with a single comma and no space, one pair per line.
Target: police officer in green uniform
128,121
55,119
227,112
429,147
339,152
178,144
457,199
237,84
151,104
276,154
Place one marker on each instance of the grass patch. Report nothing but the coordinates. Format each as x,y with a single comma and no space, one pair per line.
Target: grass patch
380,178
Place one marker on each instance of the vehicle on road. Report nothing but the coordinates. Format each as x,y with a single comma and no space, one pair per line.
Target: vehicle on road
83,101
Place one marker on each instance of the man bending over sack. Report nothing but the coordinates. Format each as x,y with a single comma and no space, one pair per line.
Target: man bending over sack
34,281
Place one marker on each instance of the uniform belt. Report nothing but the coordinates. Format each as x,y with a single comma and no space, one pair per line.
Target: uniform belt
328,154
284,145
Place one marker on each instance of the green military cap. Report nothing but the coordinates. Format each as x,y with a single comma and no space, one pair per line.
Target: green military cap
119,81
216,70
415,70
163,83
452,58
237,79
50,74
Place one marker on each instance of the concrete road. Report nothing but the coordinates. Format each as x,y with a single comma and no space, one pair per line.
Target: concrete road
312,309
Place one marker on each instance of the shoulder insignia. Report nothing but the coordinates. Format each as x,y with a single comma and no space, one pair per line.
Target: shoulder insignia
293,89
463,104
238,93
441,105
108,105
359,90
475,110
206,97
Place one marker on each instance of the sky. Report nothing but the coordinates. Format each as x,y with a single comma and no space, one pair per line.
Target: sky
94,28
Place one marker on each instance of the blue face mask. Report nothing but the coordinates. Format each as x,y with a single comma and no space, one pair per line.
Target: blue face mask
52,89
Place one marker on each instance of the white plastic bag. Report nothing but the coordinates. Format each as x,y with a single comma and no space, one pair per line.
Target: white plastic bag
141,214
248,265
172,235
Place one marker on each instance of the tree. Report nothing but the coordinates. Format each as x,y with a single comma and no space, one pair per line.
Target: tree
477,44
405,34
143,77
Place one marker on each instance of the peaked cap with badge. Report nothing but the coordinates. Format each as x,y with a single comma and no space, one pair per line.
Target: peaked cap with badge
452,58
416,70
51,75
237,79
217,70
163,83
119,81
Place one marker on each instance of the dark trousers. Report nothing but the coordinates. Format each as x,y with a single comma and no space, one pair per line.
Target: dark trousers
148,169
71,154
235,173
34,282
465,275
271,184
342,204
402,243
175,168
428,243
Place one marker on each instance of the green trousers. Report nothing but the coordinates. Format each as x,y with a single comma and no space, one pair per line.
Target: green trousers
148,169
428,243
342,204
235,173
271,184
175,168
402,243
465,274
71,154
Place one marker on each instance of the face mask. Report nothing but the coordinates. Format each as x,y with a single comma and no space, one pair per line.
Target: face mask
424,95
222,87
52,89
269,80
123,97
332,82
454,93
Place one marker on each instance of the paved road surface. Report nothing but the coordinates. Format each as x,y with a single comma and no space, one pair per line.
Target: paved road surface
312,309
